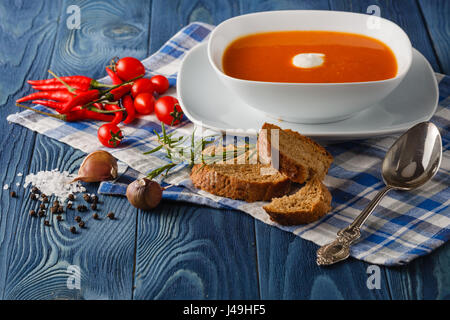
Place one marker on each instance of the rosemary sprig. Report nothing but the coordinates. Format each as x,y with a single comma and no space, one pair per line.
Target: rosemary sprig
186,149
160,170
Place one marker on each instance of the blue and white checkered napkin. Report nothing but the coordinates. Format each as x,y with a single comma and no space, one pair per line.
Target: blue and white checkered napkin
406,224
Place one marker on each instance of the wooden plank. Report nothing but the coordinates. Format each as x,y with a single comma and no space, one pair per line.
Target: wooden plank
405,13
108,30
186,251
288,270
192,252
38,256
24,51
269,5
436,15
168,17
424,278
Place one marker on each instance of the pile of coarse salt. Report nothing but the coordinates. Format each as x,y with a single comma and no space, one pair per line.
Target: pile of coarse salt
54,183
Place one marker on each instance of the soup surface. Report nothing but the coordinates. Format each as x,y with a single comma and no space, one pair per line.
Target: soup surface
309,57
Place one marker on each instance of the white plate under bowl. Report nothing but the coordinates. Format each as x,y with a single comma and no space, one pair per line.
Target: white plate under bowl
207,102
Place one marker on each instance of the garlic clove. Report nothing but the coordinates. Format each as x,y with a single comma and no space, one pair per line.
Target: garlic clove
144,194
97,166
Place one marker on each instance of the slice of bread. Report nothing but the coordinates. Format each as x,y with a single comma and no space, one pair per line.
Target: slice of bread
309,204
249,182
299,157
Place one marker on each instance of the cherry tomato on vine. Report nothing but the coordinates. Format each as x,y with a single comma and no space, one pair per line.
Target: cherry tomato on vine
142,85
144,103
168,110
160,83
110,135
128,68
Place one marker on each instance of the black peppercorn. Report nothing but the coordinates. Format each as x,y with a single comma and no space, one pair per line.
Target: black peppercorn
110,215
77,218
87,198
42,206
41,213
94,199
73,229
45,200
43,195
81,208
34,190
53,210
81,224
13,194
33,196
60,209
95,216
93,206
47,223
32,213
69,205
56,203
71,197
59,218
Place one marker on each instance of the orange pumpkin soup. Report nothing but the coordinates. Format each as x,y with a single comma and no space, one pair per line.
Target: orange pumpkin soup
309,57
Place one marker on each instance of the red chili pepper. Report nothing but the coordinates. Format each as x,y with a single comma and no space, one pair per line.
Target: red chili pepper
82,81
70,79
117,93
128,104
49,103
59,105
63,96
118,116
84,114
60,86
114,77
81,99
74,115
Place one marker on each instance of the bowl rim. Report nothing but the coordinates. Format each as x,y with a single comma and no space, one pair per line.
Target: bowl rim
399,76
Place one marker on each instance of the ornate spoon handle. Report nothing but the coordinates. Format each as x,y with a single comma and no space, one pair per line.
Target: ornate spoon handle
339,249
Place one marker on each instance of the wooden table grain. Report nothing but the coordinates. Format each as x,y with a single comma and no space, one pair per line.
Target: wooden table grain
180,251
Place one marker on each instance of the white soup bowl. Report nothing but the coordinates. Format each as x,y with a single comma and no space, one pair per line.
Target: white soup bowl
310,102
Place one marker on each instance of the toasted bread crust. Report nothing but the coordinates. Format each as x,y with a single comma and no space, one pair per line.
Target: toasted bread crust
295,216
205,177
292,168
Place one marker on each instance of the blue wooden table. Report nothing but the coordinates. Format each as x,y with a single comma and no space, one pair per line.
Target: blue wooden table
180,250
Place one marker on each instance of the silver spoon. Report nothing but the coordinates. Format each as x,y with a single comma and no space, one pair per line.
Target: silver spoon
410,162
